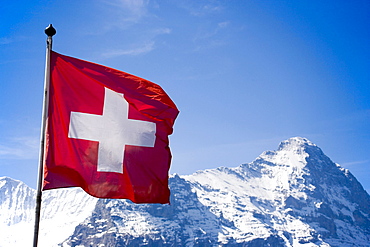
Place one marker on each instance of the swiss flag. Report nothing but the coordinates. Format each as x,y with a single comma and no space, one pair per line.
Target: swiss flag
107,132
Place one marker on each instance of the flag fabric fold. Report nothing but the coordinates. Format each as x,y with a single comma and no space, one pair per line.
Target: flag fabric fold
107,132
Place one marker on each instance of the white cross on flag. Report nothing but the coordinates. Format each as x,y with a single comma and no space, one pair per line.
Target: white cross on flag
113,130
107,132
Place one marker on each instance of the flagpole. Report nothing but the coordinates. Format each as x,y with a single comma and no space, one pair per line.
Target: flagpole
50,32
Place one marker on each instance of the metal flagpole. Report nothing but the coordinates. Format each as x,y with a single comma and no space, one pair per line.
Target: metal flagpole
50,32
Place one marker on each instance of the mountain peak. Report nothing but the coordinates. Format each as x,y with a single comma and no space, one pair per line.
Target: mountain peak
295,143
292,152
9,182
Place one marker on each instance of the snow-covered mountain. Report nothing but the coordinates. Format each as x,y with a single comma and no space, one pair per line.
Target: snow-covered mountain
294,196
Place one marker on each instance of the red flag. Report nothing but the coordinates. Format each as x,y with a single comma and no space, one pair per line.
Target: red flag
107,132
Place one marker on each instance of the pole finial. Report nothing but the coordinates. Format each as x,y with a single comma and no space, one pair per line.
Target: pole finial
50,31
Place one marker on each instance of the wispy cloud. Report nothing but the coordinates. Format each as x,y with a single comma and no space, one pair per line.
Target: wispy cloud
145,48
147,45
211,36
20,148
10,40
136,7
201,8
159,31
353,163
127,20
209,32
123,13
224,24
5,41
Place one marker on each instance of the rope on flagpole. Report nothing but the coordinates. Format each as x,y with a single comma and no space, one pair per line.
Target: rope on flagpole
50,32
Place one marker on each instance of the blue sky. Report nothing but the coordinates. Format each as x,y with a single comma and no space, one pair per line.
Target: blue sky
244,74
